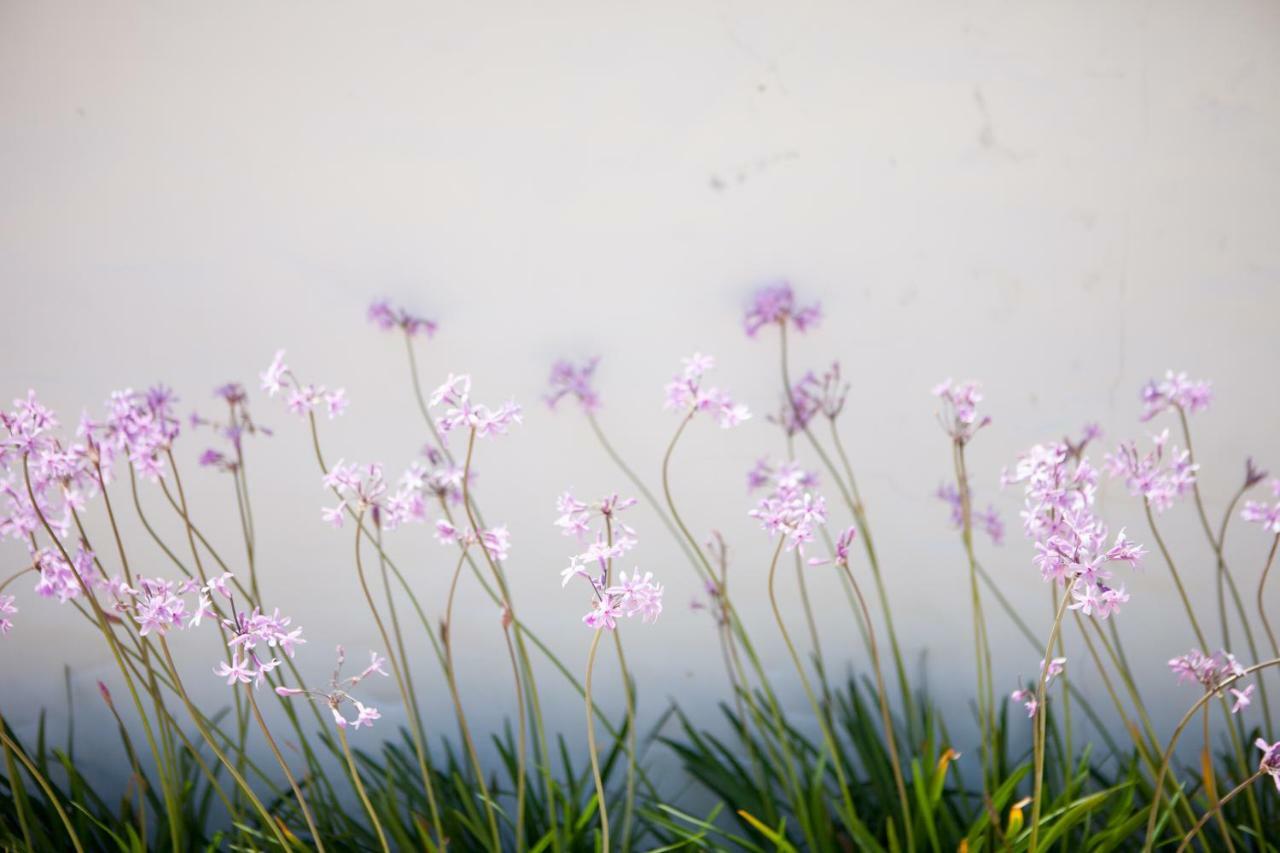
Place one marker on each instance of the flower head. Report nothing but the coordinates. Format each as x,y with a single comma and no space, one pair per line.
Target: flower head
989,520
574,380
790,509
1159,476
959,415
385,317
1270,762
685,393
301,399
6,610
776,303
455,396
1175,391
338,694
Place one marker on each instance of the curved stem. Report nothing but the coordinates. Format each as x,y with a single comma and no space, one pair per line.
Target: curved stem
293,783
12,748
1217,807
591,746
1177,732
1262,582
1177,580
364,798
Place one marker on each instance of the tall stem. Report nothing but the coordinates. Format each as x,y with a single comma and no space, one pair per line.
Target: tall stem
1177,579
293,783
364,798
591,746
1217,809
451,674
1041,715
414,730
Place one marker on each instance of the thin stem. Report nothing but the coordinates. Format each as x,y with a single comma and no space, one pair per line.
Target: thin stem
284,765
1041,716
629,691
451,677
364,798
1173,571
1262,610
414,729
1177,732
591,746
522,743
837,762
204,731
1217,809
1211,782
12,748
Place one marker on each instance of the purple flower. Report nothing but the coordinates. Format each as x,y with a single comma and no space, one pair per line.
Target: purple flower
570,380
1175,391
238,671
1158,477
338,692
959,415
604,613
776,303
789,509
302,400
841,556
1028,699
455,396
273,378
685,394
1071,544
6,610
989,521
637,595
1213,673
387,318
1270,762
1259,512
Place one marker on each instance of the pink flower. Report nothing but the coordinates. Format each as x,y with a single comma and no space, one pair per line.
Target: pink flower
637,595
1242,698
843,544
1157,477
570,380
790,509
1259,512
959,414
387,318
455,396
1270,762
1175,391
238,671
776,303
686,394
273,377
6,609
338,693
1027,698
603,614
989,521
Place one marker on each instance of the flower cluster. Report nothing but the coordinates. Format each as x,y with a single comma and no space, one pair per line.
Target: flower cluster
843,545
362,489
302,399
1175,391
989,520
58,578
764,471
1267,515
339,693
574,380
826,393
255,637
1071,543
632,595
685,394
455,396
496,541
140,426
237,425
1213,673
959,415
776,303
6,610
439,478
385,317
790,509
1159,477
1027,695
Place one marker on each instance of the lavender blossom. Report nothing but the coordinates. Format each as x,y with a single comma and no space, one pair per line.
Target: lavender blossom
685,394
1175,391
1157,476
1214,673
385,317
776,303
790,509
455,396
989,521
7,609
1270,763
302,400
338,693
959,415
570,380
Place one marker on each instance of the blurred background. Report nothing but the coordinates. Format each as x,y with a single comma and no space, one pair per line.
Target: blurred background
1061,201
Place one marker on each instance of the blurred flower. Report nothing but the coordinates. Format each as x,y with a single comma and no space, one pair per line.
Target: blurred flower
6,610
455,396
1270,762
989,521
1176,391
387,318
685,393
1157,479
338,693
776,303
959,415
570,380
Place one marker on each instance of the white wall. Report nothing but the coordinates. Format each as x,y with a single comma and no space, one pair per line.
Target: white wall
1060,200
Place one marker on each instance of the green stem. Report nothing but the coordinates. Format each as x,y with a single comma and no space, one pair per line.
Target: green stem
364,798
